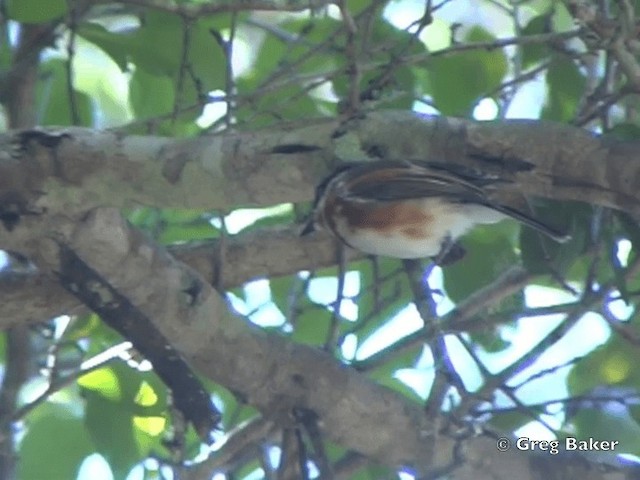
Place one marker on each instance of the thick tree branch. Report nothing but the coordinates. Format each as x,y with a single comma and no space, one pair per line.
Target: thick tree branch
72,170
267,371
114,308
31,297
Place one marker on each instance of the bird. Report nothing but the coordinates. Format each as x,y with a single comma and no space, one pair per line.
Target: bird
407,210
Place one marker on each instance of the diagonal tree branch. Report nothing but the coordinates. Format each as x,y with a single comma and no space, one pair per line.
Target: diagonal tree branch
114,308
31,296
267,371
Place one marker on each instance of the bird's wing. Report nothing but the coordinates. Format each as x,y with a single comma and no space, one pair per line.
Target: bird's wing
394,181
390,181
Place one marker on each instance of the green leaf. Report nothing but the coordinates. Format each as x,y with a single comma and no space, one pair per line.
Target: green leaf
393,84
540,254
151,95
491,340
281,291
168,76
106,421
393,41
357,6
6,54
240,415
285,217
205,59
135,416
624,131
248,469
533,53
489,252
406,358
104,381
284,104
35,11
613,363
397,91
3,348
311,327
602,425
509,421
630,229
55,444
180,216
402,388
117,46
566,87
158,48
300,50
53,97
188,232
459,80
83,327
384,291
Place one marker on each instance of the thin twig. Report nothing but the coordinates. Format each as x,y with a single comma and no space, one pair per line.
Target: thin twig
351,54
94,363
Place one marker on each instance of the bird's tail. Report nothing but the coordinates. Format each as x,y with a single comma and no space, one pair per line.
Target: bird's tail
525,219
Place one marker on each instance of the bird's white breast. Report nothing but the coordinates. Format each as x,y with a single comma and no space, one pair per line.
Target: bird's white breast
447,220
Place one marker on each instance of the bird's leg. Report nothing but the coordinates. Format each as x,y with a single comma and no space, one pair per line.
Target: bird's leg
450,252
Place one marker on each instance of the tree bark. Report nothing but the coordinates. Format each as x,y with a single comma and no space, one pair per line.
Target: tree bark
64,188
